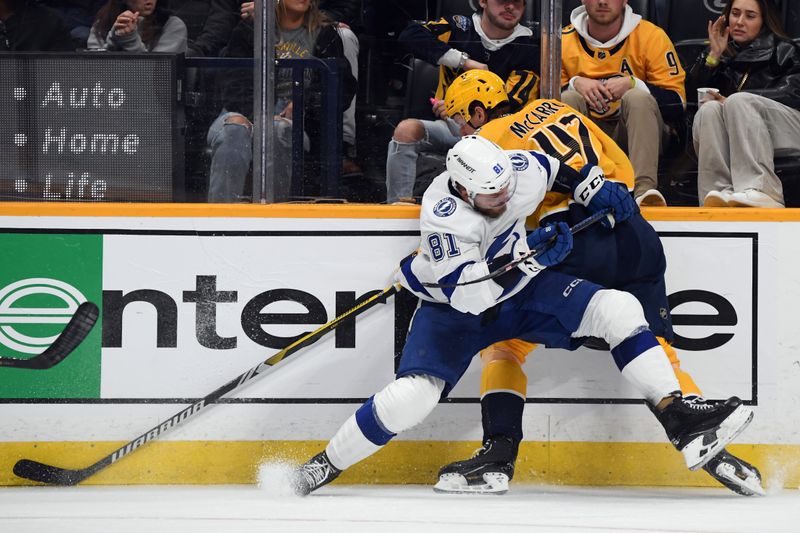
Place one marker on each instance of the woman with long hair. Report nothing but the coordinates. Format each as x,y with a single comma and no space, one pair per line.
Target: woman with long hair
137,26
755,113
303,32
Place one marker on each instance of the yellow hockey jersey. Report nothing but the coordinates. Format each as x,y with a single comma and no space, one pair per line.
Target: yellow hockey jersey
560,131
516,62
646,53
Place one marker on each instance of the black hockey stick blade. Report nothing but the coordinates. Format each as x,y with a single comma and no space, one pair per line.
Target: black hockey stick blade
52,475
580,226
75,331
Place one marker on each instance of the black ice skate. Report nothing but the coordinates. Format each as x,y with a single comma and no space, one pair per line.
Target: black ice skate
738,475
488,471
700,430
316,472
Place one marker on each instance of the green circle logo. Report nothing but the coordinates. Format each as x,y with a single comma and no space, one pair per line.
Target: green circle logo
30,308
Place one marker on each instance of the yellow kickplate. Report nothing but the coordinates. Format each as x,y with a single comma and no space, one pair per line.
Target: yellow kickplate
237,462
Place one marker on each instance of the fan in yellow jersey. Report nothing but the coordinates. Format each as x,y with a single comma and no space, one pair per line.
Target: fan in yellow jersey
477,100
491,39
624,73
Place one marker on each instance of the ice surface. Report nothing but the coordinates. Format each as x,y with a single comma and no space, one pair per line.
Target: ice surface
408,508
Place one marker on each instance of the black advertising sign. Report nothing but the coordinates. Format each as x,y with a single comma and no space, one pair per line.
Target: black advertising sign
90,127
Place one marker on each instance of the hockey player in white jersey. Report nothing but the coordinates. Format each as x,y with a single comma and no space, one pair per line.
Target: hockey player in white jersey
472,221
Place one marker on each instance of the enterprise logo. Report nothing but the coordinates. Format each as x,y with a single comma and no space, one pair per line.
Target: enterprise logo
14,313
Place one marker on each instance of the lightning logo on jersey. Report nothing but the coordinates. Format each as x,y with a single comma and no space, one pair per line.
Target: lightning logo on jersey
458,242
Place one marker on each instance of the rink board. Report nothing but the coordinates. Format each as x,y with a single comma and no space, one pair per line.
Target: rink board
192,296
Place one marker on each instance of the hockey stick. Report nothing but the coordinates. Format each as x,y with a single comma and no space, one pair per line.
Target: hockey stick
36,471
73,334
580,226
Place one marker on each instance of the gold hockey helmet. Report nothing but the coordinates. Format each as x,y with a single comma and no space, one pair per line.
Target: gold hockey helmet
481,85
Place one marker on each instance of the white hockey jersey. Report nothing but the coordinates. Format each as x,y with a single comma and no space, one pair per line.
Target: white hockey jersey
457,242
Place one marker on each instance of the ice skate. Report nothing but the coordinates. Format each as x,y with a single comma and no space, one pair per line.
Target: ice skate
700,430
488,471
316,472
739,476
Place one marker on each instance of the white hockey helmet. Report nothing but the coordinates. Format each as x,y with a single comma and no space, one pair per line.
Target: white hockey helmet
479,165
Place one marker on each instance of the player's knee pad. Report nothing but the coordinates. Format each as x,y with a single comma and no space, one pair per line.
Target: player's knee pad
504,375
612,315
406,402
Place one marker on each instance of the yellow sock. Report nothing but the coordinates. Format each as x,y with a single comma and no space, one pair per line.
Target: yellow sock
688,386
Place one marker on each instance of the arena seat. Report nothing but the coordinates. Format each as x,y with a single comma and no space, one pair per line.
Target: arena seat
420,87
791,19
686,23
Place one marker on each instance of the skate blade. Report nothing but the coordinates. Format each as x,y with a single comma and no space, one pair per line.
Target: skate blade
493,483
750,485
697,453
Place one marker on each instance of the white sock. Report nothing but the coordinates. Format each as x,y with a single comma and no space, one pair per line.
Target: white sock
349,445
651,373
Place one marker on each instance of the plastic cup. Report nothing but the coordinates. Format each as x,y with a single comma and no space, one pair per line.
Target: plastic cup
704,94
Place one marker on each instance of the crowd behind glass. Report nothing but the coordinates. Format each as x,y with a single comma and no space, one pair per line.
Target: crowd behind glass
383,81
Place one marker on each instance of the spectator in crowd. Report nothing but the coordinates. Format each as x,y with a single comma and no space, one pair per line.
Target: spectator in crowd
492,39
303,31
223,17
755,113
137,26
29,27
78,15
623,72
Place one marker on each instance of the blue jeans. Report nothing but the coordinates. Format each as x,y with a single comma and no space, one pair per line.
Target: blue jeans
232,152
401,160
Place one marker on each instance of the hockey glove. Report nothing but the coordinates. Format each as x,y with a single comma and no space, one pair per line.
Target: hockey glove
597,193
552,242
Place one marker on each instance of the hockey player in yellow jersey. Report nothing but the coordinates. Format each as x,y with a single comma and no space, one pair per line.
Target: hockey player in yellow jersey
624,73
477,101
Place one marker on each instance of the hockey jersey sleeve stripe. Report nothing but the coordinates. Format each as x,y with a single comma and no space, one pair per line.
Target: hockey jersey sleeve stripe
542,159
669,102
453,278
547,163
427,41
510,279
413,281
522,87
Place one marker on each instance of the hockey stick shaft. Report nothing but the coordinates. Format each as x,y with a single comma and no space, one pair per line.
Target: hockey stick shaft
73,334
41,472
580,226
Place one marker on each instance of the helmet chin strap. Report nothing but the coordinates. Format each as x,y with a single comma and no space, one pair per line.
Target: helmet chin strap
470,195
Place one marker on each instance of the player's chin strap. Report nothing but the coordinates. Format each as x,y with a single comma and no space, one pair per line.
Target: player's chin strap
580,226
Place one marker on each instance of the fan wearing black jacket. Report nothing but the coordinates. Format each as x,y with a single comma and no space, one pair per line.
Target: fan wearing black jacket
303,31
29,27
754,114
